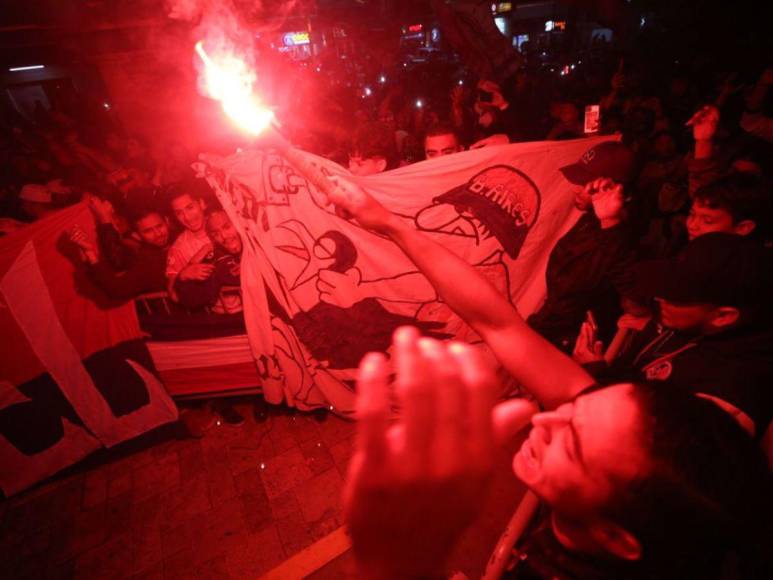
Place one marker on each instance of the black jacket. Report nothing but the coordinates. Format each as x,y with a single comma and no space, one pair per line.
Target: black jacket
540,556
735,366
199,293
123,274
588,269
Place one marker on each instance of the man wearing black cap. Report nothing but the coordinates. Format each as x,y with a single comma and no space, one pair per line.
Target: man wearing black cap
590,267
713,334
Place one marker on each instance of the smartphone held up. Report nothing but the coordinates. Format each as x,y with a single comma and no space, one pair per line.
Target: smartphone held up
592,119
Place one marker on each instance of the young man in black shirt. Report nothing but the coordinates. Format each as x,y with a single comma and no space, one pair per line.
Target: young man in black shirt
225,259
712,333
589,267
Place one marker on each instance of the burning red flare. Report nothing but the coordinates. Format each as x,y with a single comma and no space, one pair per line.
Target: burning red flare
230,81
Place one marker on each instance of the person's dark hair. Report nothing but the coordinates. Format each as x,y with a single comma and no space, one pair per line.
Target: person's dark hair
664,133
442,128
744,197
706,489
141,211
375,139
611,121
212,211
637,122
196,188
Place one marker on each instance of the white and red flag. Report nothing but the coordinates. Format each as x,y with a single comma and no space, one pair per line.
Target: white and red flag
75,374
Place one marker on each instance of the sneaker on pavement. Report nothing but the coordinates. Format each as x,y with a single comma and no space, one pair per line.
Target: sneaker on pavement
230,415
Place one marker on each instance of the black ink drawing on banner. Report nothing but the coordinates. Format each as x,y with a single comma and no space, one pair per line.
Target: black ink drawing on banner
342,324
499,202
342,330
348,315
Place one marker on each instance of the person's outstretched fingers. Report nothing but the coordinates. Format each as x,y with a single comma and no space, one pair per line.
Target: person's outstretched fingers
373,409
414,388
481,387
449,454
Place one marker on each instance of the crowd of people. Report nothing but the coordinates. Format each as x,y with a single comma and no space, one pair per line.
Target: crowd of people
672,249
661,291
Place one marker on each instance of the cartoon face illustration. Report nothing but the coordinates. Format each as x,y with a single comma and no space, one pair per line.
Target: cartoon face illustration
499,202
335,248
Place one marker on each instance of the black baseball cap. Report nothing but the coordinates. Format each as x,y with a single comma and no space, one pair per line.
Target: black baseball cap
610,159
718,268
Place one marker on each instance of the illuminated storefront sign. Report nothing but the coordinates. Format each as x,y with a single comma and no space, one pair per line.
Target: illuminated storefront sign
413,31
295,38
551,25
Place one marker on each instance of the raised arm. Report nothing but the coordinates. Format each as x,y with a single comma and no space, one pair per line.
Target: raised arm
113,251
704,127
551,376
703,165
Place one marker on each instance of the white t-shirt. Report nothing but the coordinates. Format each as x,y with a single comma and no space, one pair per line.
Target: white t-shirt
183,249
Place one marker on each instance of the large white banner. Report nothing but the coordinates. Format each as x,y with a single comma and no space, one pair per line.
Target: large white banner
320,292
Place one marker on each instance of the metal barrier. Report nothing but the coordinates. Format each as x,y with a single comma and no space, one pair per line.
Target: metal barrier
161,303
